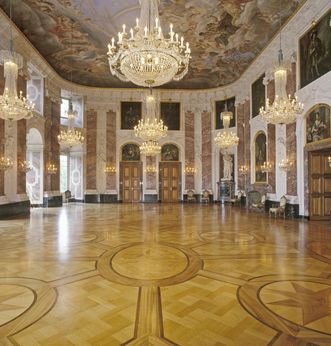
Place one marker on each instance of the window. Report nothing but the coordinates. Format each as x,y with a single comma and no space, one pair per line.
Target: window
64,183
64,108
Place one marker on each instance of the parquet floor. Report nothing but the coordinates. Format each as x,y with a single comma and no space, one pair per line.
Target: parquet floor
163,275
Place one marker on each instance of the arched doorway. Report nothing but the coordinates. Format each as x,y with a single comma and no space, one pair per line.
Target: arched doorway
34,178
130,174
170,174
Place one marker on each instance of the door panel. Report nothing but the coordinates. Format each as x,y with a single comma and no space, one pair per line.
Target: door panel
130,182
170,173
319,185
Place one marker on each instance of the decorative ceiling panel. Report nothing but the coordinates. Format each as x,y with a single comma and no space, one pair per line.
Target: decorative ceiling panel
225,35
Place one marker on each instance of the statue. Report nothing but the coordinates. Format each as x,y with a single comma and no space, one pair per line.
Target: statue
228,166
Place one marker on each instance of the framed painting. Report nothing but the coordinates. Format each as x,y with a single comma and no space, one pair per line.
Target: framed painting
260,157
315,51
170,114
130,152
258,96
220,107
318,124
130,114
169,152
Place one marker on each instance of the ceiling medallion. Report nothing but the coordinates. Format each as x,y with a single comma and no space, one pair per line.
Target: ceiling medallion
150,148
13,106
226,139
144,56
70,137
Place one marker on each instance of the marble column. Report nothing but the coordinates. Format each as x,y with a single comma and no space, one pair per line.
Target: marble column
271,141
206,151
189,148
111,150
241,145
21,156
91,156
247,117
2,136
291,141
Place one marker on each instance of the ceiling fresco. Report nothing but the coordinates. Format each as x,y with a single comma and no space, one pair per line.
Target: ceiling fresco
225,35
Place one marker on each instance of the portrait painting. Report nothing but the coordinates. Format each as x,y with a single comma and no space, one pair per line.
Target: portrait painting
315,51
169,152
222,106
170,114
130,115
260,157
258,96
318,124
130,152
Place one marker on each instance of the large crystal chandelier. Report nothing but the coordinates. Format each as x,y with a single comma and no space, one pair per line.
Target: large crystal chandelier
12,105
144,56
226,139
150,148
150,128
70,137
285,108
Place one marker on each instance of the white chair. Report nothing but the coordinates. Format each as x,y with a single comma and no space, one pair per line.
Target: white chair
278,211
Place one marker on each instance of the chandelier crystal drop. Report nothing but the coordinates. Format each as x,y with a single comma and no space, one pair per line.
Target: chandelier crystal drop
285,165
150,148
6,163
144,56
70,137
226,139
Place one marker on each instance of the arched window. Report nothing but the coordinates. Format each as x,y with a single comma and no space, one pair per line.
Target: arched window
260,151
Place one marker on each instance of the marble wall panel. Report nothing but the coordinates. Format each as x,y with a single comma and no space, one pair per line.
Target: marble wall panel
151,177
247,117
111,148
291,140
189,147
206,151
241,145
91,150
271,141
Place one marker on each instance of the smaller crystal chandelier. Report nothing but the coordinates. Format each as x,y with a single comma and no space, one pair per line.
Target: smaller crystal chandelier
150,128
110,168
150,169
13,106
25,166
70,137
285,108
285,165
266,167
226,139
6,163
51,169
150,148
243,170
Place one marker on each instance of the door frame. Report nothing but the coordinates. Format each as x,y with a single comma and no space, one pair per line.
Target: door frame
170,163
131,163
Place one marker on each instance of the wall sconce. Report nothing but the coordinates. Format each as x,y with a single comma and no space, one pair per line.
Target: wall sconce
285,165
243,170
51,169
329,161
266,167
150,169
25,167
190,170
110,169
6,163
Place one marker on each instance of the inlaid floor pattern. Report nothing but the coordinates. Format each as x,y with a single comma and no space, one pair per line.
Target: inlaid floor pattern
163,275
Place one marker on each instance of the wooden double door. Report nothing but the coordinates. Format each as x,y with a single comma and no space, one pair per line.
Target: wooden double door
170,181
130,181
319,185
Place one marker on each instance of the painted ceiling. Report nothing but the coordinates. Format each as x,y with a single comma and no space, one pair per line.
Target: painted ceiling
225,35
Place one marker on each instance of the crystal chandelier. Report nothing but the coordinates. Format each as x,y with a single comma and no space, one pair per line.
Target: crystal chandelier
285,108
226,139
70,136
25,167
6,163
285,165
150,128
266,167
13,106
190,169
150,148
51,169
145,57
